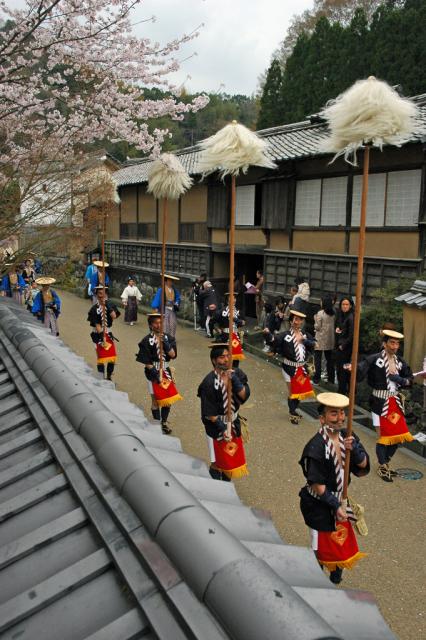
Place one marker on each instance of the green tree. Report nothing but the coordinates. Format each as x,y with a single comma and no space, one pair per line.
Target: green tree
271,111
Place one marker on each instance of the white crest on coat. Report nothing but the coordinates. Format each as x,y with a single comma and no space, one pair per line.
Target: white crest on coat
231,150
369,112
167,178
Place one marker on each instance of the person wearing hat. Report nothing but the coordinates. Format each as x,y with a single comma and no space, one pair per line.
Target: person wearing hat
28,273
91,269
47,304
322,462
149,355
213,393
101,317
293,346
386,374
96,278
171,304
130,298
220,321
12,283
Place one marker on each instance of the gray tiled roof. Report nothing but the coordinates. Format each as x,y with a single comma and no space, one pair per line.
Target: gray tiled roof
288,142
416,296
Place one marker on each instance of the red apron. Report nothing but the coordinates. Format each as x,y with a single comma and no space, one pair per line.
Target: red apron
230,457
393,428
166,393
339,548
300,385
106,350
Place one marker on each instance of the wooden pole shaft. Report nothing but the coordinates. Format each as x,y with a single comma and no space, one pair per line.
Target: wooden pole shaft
163,271
231,285
359,279
104,319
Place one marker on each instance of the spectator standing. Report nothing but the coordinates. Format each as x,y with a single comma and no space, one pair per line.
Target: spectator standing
197,287
259,297
325,339
209,301
344,330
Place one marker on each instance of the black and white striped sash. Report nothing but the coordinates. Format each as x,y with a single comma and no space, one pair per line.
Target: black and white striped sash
220,384
155,341
385,408
298,350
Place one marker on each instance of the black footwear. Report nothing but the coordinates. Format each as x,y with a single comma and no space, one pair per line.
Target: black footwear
384,473
295,418
336,576
393,473
165,428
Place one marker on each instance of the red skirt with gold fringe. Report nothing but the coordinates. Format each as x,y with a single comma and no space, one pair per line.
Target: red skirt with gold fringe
300,385
339,548
393,428
230,457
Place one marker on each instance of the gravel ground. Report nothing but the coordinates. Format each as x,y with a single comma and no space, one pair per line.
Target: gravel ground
395,570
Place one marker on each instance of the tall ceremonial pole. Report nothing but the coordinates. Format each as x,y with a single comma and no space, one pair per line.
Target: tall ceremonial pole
163,280
103,303
167,180
369,114
232,150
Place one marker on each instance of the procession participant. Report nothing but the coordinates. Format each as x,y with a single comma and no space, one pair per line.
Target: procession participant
28,273
171,304
293,346
226,449
221,320
101,316
12,284
47,304
91,269
322,462
160,378
130,298
96,278
386,373
30,294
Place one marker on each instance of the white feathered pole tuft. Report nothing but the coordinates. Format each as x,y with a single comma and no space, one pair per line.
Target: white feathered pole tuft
231,150
369,112
167,178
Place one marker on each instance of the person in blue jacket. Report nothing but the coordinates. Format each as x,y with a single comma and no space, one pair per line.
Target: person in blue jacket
47,305
12,284
96,279
171,304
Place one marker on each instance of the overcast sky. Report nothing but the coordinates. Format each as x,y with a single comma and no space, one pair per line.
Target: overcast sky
234,46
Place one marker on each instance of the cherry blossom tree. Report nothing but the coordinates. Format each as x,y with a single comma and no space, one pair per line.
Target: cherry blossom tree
72,72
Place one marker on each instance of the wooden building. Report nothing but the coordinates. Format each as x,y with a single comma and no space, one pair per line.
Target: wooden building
298,219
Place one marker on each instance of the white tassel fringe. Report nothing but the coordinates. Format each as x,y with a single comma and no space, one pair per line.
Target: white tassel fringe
231,149
369,112
167,178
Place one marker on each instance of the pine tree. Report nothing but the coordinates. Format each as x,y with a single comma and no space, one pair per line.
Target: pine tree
270,114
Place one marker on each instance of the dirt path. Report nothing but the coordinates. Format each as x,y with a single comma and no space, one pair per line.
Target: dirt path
395,571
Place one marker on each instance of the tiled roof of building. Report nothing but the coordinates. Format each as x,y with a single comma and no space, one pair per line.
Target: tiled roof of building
416,296
287,142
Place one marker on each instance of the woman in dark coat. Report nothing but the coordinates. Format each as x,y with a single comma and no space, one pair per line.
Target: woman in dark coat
344,330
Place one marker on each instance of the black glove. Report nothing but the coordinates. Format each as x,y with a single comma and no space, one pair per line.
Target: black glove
309,343
330,500
220,426
357,453
96,337
175,308
152,374
399,380
237,384
166,345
